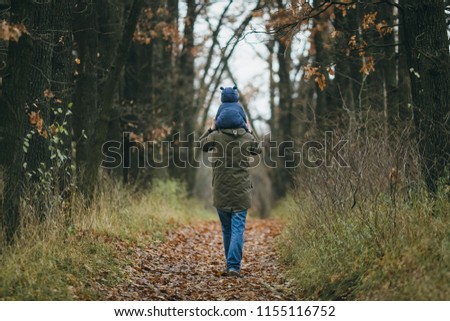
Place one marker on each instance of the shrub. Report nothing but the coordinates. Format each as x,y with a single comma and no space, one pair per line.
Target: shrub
369,231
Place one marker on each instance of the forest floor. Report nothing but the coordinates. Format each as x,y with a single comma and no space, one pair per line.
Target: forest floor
189,265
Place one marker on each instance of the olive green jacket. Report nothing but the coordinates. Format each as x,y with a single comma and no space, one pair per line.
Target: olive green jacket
231,155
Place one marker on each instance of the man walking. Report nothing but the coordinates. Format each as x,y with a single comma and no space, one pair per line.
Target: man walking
232,150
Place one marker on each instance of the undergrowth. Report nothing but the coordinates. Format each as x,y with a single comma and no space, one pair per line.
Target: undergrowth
57,260
369,231
360,255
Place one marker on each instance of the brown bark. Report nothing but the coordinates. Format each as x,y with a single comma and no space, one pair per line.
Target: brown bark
325,107
404,83
13,116
282,176
62,85
86,94
183,113
273,121
390,73
427,50
109,90
29,72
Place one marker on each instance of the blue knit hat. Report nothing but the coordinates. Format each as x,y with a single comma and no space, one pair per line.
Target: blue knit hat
229,94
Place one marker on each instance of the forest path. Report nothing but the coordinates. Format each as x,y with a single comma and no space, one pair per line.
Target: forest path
189,265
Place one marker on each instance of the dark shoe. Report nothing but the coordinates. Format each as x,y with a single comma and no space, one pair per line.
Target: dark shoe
232,272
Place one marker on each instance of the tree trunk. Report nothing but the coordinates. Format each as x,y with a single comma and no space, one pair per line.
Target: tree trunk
62,86
283,175
389,66
165,72
38,156
273,122
325,108
86,94
404,83
106,110
13,116
29,72
427,50
110,22
185,100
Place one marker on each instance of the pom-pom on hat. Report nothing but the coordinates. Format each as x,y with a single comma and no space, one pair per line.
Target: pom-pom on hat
229,94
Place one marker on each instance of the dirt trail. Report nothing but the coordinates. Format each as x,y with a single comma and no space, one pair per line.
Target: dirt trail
189,266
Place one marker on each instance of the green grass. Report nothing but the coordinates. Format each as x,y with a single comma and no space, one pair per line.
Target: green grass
373,252
54,261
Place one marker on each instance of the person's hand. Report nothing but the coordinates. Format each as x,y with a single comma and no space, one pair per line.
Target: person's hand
213,124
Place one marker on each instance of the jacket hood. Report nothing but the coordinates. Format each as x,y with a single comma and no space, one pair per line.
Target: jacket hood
229,95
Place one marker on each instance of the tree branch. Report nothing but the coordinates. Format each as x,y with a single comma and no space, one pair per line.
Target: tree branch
210,54
217,76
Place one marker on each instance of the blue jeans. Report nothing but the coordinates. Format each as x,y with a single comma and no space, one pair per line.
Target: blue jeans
233,227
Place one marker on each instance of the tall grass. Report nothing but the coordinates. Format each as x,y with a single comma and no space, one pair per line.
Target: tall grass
61,259
369,231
